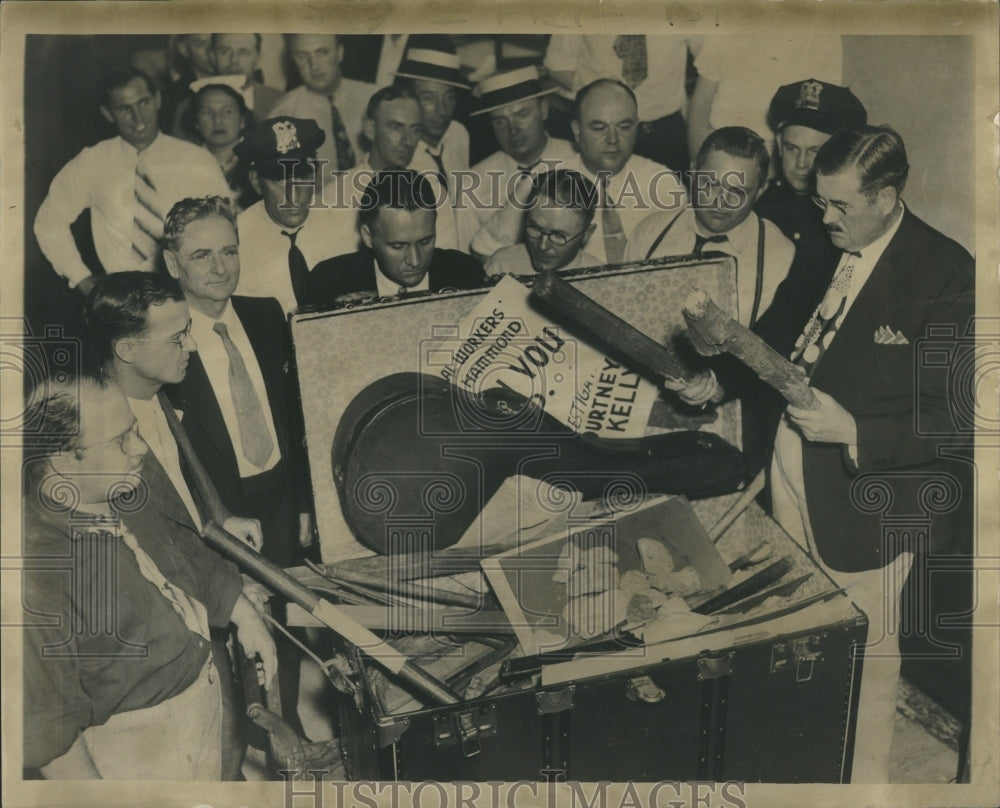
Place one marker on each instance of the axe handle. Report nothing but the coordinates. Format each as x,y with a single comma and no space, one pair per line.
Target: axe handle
591,318
713,331
274,577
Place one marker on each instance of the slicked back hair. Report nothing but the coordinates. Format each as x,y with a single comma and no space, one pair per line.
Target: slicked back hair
877,151
736,141
402,189
190,210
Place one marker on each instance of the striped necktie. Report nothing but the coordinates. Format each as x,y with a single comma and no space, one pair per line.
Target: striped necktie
254,435
147,217
615,241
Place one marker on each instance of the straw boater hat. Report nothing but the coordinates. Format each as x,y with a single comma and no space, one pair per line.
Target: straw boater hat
509,88
432,65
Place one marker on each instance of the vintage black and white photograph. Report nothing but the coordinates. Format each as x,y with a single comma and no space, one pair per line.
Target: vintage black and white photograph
566,407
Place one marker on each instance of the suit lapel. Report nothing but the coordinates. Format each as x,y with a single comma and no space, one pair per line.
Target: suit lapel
872,307
163,494
202,404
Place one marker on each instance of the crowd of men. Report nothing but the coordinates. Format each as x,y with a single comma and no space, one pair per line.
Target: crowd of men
362,191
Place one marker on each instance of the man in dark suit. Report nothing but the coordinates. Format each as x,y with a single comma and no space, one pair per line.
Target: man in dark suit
397,218
237,395
870,452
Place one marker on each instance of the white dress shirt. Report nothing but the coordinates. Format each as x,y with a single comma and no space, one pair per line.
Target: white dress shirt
489,198
102,178
264,272
640,188
592,56
791,510
155,431
389,288
741,243
453,150
351,99
216,363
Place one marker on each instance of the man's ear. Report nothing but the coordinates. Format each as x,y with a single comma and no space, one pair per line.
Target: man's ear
887,198
368,127
587,234
575,126
255,181
172,266
124,350
107,114
366,235
544,106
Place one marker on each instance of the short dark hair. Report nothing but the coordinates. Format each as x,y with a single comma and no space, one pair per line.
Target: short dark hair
121,76
190,210
403,189
877,151
52,413
118,305
736,141
567,189
384,96
583,92
190,122
256,38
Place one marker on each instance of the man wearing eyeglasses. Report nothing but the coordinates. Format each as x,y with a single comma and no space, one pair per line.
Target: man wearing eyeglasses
141,325
558,224
136,693
882,416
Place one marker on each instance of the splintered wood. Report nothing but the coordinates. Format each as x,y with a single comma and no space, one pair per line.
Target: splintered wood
712,331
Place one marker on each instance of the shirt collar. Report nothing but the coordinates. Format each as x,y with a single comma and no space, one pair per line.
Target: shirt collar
738,240
203,324
389,288
872,252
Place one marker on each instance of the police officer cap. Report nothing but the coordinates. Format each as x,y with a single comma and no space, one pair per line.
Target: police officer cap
817,105
266,144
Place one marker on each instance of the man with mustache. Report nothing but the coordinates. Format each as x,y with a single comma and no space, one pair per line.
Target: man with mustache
882,416
137,694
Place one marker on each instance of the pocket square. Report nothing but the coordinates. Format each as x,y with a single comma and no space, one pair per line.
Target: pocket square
886,336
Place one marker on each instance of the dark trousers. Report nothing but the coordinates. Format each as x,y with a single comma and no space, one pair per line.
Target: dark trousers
665,141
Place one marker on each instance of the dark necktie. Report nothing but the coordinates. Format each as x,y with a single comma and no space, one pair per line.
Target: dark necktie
345,152
298,269
615,241
700,241
439,159
819,332
254,435
631,49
